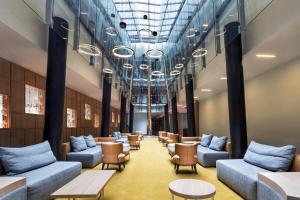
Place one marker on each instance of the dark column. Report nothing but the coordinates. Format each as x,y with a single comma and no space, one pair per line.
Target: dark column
174,114
189,94
167,122
235,85
106,97
131,116
55,84
123,114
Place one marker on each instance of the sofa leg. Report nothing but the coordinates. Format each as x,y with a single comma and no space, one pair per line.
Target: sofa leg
103,164
124,165
195,167
177,169
119,167
107,166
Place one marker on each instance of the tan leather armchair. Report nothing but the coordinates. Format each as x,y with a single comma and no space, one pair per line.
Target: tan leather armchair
173,138
133,141
113,154
161,135
190,139
140,134
105,139
186,155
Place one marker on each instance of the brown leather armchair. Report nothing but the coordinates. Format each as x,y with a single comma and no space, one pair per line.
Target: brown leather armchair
161,135
105,139
113,154
190,139
140,134
173,138
133,141
186,155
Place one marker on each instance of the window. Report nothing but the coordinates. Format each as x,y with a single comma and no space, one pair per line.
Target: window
96,121
88,112
71,118
4,111
34,100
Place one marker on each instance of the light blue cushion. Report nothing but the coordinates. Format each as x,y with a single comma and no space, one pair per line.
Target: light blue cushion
90,141
239,176
44,181
277,159
207,157
218,143
117,135
19,160
89,157
205,140
78,143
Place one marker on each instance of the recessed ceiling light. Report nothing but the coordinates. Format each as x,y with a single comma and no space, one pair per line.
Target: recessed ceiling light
266,56
223,78
205,25
206,90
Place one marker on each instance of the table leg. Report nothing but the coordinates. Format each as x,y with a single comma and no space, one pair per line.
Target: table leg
172,196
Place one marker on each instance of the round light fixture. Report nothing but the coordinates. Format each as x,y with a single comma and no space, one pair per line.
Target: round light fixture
128,66
157,73
179,66
175,73
144,66
107,70
122,51
191,32
111,31
145,32
155,53
89,49
199,53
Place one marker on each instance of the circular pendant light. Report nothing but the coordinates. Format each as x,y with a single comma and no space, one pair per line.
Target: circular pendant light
157,73
179,66
111,31
89,49
128,66
191,32
199,53
122,51
107,70
144,66
155,53
175,72
145,32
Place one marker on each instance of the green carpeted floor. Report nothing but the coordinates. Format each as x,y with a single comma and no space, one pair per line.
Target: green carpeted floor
148,173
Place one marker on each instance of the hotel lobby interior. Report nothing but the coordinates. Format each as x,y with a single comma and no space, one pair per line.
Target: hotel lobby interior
149,99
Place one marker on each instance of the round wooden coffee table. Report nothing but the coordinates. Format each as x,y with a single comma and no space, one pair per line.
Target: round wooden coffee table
192,189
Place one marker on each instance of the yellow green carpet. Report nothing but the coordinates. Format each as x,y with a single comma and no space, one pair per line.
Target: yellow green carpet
148,173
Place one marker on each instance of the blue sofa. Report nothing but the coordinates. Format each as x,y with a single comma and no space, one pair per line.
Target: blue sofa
242,174
43,176
119,138
89,157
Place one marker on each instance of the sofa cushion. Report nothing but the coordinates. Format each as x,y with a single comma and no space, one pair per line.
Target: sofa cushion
19,160
78,143
122,140
277,159
240,176
90,141
218,143
43,181
207,157
89,157
205,140
117,135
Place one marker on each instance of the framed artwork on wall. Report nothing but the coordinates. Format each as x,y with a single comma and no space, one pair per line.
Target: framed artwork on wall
96,121
113,117
71,118
88,112
34,100
4,111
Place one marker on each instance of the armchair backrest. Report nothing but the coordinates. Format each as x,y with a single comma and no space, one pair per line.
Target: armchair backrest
296,164
186,153
132,139
174,137
162,133
188,139
111,152
105,139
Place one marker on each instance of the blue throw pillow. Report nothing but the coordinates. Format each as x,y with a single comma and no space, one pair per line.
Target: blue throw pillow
277,159
205,140
78,143
90,141
20,160
218,143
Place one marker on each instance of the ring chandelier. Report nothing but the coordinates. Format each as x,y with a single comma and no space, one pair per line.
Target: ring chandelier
117,51
155,53
145,32
199,53
144,66
107,70
128,66
89,49
191,32
111,31
179,66
157,73
175,72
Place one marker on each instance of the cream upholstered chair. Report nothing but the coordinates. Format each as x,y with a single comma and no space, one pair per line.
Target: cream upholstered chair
112,153
133,141
185,155
140,134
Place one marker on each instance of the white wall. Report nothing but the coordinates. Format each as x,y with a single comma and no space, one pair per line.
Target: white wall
140,122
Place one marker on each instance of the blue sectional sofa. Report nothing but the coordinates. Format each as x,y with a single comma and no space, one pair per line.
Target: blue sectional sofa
242,174
43,176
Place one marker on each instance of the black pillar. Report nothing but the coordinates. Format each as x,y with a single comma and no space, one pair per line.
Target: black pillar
123,114
189,94
131,116
167,123
106,97
174,114
236,94
55,84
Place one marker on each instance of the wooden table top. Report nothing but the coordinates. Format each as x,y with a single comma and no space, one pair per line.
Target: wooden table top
87,185
287,184
9,184
192,189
